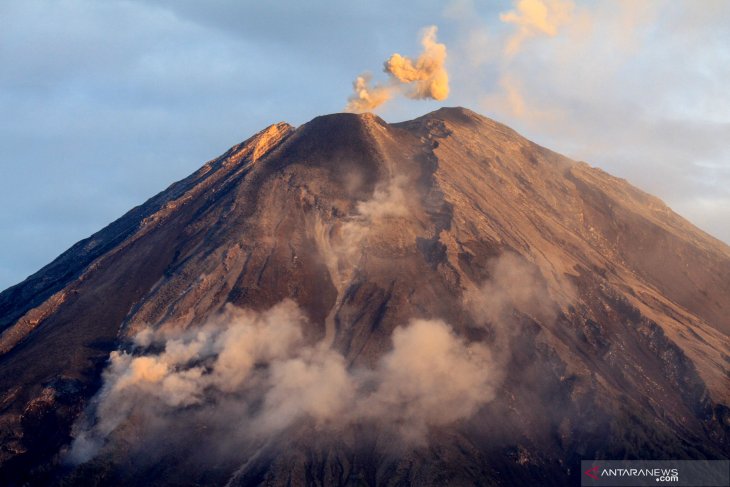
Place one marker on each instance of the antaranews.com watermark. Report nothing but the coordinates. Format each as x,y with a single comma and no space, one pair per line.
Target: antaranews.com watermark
639,473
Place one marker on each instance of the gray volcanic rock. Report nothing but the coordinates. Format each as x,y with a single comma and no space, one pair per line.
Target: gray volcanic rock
619,350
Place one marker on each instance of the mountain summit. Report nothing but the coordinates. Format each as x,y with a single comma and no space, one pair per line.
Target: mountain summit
353,302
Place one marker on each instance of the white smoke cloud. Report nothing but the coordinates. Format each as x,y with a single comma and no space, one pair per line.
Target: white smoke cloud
516,289
215,358
314,384
514,285
425,77
430,378
367,96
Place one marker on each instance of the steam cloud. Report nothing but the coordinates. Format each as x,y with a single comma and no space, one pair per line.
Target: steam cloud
423,78
430,378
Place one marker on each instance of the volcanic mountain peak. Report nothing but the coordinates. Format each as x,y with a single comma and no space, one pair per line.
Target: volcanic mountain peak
372,243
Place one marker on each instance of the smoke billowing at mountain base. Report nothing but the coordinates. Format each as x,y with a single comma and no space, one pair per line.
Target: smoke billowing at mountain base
256,368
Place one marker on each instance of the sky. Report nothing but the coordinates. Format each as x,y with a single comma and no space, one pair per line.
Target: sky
104,104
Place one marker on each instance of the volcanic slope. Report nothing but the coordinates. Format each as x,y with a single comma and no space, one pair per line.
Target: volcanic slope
605,314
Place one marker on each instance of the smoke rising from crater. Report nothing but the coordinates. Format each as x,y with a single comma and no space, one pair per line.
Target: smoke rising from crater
425,77
366,96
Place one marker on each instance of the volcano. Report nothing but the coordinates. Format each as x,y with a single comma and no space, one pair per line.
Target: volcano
352,302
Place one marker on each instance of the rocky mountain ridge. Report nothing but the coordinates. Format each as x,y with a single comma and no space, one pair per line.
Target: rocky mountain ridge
606,314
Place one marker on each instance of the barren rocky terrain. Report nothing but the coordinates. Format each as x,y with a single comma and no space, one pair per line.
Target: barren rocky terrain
598,319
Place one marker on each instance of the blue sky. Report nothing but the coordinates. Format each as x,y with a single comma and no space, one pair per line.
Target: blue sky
103,104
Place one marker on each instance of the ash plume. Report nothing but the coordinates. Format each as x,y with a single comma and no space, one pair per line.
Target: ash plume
424,77
367,96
